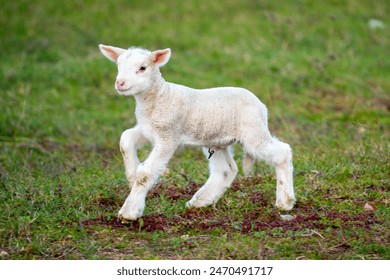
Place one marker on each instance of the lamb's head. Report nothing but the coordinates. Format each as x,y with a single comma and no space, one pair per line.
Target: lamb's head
137,68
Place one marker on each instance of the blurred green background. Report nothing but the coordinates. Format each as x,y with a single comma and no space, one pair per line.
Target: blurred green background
321,67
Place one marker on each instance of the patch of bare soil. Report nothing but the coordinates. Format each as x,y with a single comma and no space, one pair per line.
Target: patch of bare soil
264,217
254,221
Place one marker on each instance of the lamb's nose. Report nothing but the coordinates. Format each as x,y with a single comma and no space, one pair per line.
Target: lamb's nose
120,83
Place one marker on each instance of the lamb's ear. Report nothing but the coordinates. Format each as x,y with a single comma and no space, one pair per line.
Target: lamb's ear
160,57
111,53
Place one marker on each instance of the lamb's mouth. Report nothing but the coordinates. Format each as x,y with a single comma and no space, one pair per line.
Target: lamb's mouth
123,90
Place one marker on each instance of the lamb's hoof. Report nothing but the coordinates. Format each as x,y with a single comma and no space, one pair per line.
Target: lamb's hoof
195,204
198,203
127,218
123,220
189,204
128,213
287,205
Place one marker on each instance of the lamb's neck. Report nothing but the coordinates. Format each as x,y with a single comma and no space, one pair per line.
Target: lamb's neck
157,90
157,95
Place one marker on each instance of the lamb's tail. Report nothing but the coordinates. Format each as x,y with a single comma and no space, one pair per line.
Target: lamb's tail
247,163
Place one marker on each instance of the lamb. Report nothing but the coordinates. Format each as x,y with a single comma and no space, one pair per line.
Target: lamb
169,115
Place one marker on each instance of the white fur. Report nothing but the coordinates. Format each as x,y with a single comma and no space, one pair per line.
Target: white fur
169,115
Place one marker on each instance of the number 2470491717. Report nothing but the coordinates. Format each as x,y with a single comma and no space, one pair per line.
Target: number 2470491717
226,270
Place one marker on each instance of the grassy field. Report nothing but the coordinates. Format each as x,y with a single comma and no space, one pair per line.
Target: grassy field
323,72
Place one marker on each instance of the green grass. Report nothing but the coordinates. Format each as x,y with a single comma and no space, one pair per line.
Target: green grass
322,72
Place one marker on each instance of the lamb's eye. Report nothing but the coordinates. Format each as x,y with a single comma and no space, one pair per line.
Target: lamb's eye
141,69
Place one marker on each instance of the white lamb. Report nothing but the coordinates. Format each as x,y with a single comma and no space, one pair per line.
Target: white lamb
169,115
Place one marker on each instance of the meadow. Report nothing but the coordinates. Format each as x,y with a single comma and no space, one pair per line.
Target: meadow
321,67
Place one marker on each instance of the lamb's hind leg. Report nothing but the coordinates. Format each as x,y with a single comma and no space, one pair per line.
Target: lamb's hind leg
279,155
247,163
223,170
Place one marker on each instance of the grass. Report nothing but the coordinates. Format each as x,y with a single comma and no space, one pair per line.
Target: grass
321,70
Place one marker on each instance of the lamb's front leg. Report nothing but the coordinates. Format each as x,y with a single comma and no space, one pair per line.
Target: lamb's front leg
223,170
130,141
147,175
